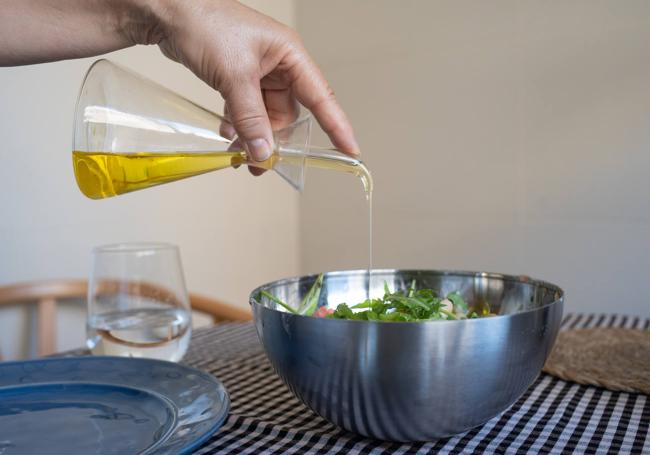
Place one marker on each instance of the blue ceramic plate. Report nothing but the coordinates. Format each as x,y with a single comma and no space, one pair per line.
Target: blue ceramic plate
107,405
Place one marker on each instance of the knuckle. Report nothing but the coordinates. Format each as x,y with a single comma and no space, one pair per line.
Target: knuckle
293,36
291,43
329,93
241,74
249,122
327,97
245,70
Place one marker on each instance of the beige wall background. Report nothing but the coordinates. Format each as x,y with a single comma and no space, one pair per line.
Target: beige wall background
508,136
223,222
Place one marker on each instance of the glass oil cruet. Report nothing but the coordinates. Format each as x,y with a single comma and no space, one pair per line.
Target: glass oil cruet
130,133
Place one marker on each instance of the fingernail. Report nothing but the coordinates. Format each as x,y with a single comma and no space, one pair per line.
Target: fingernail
356,151
355,147
349,146
258,149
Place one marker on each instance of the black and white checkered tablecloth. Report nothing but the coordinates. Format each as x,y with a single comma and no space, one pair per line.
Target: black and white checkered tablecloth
553,416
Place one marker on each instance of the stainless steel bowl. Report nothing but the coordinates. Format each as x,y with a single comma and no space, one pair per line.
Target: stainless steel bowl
410,381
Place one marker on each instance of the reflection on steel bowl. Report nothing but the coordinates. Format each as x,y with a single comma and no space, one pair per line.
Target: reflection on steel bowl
410,381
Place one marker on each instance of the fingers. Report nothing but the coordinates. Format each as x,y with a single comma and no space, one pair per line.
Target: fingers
311,89
256,171
282,108
226,129
249,118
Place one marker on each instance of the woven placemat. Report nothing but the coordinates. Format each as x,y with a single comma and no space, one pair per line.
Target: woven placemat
613,358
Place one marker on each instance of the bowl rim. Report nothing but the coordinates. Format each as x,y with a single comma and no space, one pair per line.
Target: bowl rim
500,276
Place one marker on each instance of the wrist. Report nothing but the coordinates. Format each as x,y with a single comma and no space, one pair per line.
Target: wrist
142,21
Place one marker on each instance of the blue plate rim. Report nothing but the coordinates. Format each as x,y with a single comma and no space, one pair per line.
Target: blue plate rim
196,443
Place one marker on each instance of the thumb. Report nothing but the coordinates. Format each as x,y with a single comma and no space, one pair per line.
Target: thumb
249,118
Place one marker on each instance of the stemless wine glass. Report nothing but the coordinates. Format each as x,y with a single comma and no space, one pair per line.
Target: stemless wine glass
138,305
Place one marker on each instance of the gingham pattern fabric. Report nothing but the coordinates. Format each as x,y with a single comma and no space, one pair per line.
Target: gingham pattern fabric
553,416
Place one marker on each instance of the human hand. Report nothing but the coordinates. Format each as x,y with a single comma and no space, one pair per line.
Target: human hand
259,66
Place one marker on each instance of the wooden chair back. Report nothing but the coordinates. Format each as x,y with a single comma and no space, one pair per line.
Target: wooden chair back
46,294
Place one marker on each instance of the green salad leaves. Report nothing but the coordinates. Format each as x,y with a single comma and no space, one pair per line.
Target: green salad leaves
411,304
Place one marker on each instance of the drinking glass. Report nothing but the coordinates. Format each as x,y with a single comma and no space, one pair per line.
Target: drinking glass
138,304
